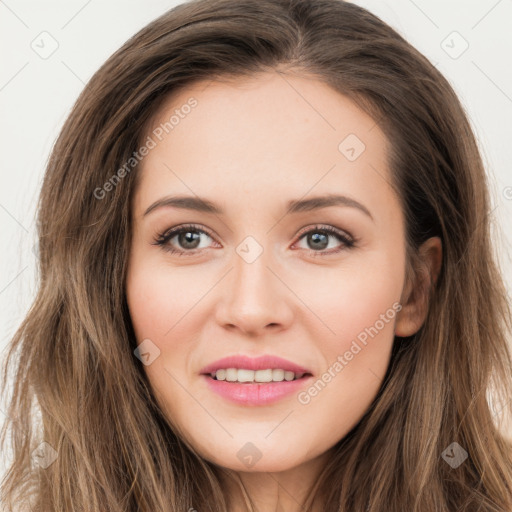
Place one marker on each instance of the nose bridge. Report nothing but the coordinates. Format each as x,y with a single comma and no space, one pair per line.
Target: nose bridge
252,278
254,298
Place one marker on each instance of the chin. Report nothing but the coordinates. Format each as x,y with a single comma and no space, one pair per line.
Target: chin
249,459
261,466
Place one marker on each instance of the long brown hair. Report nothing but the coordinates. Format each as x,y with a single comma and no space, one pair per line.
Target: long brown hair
77,385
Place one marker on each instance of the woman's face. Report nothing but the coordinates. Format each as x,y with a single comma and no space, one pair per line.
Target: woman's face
255,276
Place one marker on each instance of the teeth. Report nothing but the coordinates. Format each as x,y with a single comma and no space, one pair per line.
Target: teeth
231,374
277,375
245,375
263,375
242,375
288,375
221,374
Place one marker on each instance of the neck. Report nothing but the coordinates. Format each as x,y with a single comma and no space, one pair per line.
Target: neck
290,490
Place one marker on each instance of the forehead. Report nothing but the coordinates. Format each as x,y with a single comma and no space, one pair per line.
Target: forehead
271,132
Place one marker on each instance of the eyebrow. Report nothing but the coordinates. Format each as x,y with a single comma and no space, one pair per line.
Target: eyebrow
294,206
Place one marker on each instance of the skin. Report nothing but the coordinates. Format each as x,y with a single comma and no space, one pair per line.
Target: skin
251,145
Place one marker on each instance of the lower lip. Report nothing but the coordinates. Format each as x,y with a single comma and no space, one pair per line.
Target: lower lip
255,394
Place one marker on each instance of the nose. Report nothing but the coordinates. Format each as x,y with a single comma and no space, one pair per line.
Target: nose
254,298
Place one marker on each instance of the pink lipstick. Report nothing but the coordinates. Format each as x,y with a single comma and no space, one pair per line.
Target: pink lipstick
255,381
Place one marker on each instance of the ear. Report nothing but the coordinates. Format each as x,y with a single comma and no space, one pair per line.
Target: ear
416,291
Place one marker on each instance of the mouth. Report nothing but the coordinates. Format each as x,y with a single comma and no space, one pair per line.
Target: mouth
253,381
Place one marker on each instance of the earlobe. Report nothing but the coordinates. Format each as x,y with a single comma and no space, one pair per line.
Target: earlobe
415,295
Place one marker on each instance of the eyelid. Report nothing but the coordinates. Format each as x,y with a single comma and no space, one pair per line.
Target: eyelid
193,227
327,227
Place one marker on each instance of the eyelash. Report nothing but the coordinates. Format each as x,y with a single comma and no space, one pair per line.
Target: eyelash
162,239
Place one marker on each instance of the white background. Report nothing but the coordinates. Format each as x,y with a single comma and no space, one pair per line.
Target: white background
36,95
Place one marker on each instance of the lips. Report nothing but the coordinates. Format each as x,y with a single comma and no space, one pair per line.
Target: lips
254,363
253,394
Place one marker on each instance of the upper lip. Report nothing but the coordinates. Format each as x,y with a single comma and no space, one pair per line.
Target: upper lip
254,363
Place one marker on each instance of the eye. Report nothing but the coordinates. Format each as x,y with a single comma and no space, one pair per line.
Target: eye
318,239
188,238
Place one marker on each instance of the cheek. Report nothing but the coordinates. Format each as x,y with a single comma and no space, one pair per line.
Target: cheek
363,292
159,303
165,307
355,356
359,306
159,299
